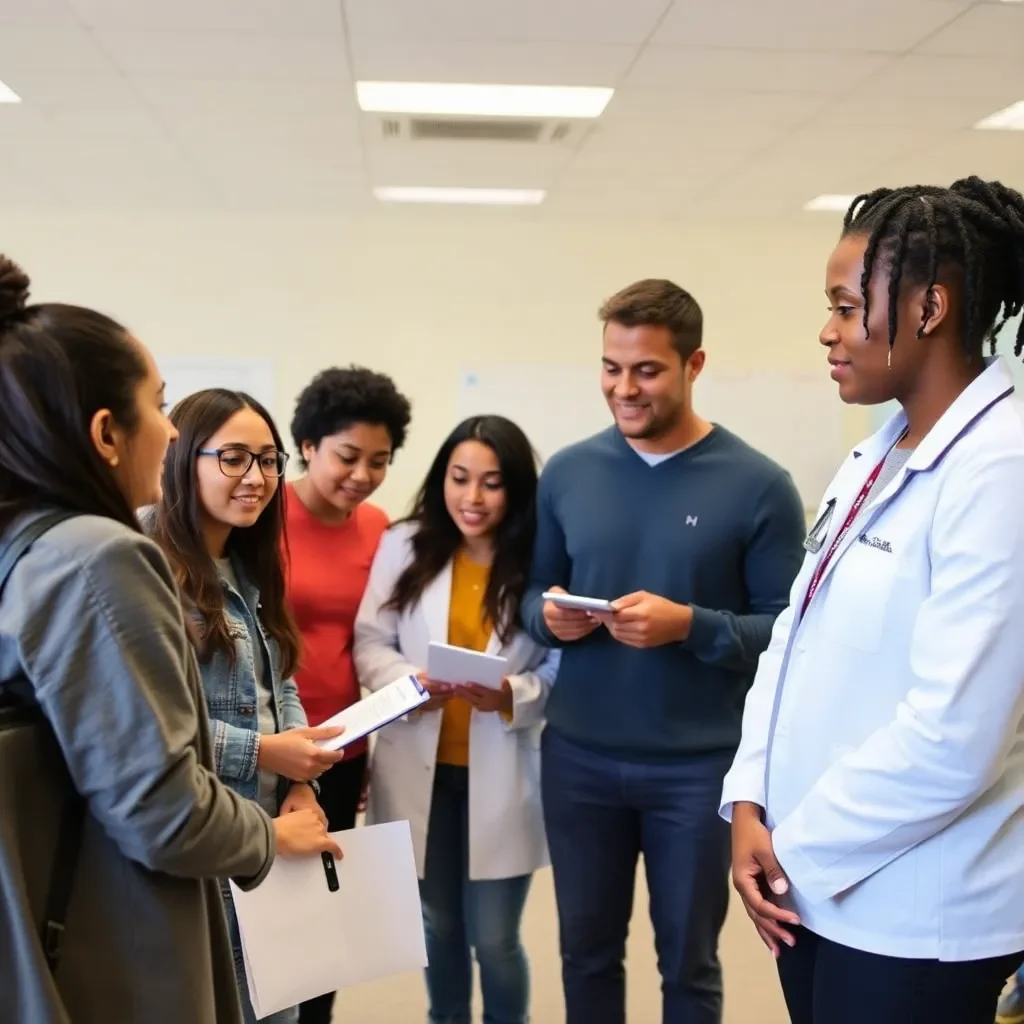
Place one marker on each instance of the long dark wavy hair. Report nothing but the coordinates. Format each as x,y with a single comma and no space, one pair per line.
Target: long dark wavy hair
438,538
260,548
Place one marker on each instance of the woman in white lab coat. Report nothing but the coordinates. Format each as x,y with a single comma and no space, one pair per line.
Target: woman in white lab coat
464,769
877,797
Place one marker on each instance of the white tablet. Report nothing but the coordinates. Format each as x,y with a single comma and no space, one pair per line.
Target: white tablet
583,604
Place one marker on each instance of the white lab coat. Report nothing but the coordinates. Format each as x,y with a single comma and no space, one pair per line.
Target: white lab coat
883,734
506,826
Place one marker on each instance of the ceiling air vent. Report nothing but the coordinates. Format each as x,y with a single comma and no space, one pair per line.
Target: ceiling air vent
462,129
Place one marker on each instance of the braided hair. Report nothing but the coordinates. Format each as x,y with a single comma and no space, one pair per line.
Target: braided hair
974,228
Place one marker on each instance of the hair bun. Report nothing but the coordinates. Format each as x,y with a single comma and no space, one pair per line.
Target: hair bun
14,288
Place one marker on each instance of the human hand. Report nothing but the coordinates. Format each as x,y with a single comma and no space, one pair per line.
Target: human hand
568,624
646,620
302,833
302,798
295,755
486,698
757,877
440,693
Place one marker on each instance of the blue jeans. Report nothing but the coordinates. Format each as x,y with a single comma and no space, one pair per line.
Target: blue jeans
601,813
460,915
289,1016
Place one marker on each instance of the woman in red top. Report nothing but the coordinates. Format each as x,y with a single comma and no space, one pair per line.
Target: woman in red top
347,426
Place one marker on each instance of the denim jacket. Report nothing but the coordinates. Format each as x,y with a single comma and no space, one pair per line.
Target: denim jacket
231,689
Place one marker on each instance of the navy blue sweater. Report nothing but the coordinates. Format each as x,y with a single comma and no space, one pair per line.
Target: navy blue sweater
719,527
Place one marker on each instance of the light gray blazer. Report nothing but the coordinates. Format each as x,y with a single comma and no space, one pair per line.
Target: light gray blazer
91,615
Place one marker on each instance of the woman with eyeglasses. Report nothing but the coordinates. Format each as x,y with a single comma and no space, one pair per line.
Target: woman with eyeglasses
221,525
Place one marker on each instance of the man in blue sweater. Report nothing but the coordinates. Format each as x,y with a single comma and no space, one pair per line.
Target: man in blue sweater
696,538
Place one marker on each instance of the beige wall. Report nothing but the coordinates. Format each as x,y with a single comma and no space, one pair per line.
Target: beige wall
421,293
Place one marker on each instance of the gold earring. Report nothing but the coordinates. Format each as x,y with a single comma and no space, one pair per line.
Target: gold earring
113,461
889,359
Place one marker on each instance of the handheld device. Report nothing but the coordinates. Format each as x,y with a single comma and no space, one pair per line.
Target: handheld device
583,604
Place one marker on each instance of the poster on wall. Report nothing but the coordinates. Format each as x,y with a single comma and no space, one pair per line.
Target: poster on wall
183,376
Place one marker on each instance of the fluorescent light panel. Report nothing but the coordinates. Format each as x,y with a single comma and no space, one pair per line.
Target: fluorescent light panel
8,95
482,100
472,196
831,203
1009,119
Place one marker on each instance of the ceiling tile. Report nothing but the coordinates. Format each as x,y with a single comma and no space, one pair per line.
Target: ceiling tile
224,54
990,155
380,59
926,78
671,67
726,112
988,30
891,26
254,16
473,165
46,13
24,48
249,97
537,21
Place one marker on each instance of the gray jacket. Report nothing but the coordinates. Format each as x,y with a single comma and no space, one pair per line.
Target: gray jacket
91,615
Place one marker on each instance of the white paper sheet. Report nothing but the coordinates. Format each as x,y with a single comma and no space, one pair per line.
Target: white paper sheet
301,940
449,664
375,711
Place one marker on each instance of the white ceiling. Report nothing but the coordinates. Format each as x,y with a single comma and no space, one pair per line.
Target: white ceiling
722,107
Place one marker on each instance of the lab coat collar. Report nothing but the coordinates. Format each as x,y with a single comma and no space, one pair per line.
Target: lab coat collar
994,383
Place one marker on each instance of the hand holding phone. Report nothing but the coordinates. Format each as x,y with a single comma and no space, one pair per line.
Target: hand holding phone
564,616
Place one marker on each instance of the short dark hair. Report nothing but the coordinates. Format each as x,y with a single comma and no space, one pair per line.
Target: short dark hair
655,302
974,228
259,548
336,398
437,538
59,366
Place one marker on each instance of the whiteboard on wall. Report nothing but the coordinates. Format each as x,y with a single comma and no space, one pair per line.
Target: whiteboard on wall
185,376
795,419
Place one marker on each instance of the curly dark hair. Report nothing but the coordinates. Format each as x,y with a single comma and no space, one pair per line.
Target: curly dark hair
336,398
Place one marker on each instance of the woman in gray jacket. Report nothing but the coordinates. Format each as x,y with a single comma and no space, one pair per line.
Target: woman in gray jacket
91,618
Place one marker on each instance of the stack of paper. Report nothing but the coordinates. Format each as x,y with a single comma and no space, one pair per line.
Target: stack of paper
317,924
375,711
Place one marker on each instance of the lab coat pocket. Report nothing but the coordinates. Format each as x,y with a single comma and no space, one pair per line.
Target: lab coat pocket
855,607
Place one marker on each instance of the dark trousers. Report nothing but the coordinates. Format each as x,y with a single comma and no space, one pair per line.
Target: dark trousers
601,813
825,983
340,789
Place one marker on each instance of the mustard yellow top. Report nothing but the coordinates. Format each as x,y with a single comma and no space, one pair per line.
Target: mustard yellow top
467,627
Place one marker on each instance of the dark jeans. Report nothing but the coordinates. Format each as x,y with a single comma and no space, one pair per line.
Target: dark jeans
601,813
340,789
825,983
460,914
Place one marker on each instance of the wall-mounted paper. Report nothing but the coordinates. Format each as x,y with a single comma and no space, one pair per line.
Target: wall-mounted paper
186,376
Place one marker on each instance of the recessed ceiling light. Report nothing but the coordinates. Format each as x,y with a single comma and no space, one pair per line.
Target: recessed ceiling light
482,100
830,203
8,95
1009,119
477,196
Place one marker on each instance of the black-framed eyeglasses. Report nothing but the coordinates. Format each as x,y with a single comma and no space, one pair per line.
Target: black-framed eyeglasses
238,461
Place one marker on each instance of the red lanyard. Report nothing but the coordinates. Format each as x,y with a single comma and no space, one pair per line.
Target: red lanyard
844,530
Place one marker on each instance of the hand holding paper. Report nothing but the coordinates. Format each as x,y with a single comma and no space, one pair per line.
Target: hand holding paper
405,694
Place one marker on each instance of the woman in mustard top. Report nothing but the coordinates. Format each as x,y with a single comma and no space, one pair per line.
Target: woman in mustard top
464,770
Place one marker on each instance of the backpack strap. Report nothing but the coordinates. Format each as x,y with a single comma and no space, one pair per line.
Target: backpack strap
69,837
